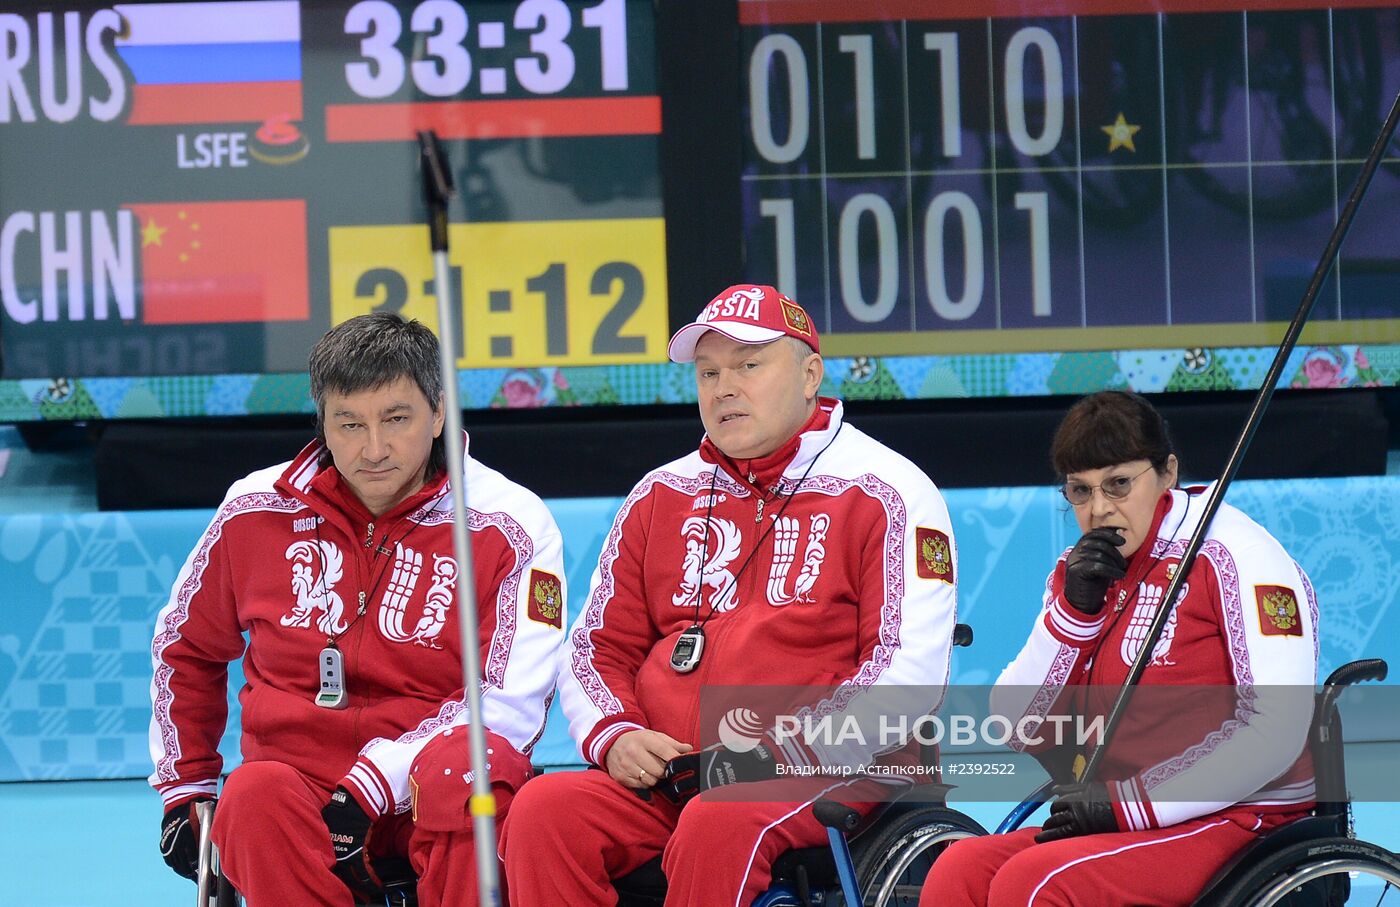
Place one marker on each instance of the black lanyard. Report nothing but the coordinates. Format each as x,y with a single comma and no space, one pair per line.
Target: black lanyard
381,548
705,543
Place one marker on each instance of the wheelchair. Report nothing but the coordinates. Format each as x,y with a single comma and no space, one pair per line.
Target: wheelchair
398,888
891,850
881,859
1314,861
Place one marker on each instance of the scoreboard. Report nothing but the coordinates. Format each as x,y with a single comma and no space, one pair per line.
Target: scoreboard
205,188
985,177
971,198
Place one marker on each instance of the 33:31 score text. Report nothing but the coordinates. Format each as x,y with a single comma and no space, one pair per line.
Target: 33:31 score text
529,294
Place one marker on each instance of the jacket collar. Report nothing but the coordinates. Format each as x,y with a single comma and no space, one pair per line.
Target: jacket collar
1186,506
792,459
1165,505
325,491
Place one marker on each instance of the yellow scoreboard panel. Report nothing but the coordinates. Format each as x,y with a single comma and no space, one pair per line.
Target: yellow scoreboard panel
530,293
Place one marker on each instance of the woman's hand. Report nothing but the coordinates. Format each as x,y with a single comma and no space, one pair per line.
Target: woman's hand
1093,566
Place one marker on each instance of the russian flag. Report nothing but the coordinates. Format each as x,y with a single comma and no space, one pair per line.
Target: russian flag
227,62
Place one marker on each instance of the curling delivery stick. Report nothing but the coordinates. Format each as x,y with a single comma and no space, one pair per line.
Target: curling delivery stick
437,190
1251,424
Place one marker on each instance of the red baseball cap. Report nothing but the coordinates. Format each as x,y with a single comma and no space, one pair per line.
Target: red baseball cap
748,313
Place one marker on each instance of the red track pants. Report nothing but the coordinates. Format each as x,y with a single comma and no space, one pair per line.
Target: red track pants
1164,867
570,833
276,850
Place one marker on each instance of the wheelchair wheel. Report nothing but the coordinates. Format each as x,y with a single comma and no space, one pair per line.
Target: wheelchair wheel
892,864
1324,873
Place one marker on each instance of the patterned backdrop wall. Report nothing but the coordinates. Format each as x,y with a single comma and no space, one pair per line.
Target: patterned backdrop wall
849,377
82,591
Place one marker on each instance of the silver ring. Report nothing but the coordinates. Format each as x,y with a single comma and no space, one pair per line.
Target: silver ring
641,773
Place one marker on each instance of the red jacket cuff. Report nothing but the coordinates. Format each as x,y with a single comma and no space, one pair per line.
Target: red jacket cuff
605,733
1071,626
1131,808
173,795
369,787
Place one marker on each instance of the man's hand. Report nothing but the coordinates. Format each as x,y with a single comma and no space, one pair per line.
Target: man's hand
349,830
179,838
637,759
1093,566
695,773
1081,809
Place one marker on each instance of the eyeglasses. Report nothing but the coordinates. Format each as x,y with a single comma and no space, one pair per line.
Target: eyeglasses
1115,488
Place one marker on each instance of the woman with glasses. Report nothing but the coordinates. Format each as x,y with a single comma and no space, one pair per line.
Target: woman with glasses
1211,754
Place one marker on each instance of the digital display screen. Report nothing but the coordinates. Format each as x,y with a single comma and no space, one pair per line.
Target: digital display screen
1134,190
971,198
192,193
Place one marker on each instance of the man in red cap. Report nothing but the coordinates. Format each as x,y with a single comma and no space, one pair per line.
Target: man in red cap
790,548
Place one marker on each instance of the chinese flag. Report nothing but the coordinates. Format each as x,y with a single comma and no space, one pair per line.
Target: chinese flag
223,261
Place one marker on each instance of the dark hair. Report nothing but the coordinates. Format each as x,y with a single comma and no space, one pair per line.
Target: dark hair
369,352
1109,428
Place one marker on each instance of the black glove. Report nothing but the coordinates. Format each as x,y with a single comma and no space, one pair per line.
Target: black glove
695,773
1093,566
1081,809
349,829
179,838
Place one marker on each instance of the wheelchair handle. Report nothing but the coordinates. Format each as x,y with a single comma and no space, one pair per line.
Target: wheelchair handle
1358,672
837,816
962,635
1339,680
206,873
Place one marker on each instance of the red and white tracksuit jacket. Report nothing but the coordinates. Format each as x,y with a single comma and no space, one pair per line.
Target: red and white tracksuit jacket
850,586
1247,620
853,586
1193,775
292,559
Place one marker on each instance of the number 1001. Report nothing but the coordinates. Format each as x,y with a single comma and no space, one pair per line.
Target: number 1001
949,210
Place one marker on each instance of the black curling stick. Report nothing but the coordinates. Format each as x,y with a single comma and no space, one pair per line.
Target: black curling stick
1251,425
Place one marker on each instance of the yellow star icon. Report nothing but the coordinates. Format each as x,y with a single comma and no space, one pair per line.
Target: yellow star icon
151,234
1120,134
